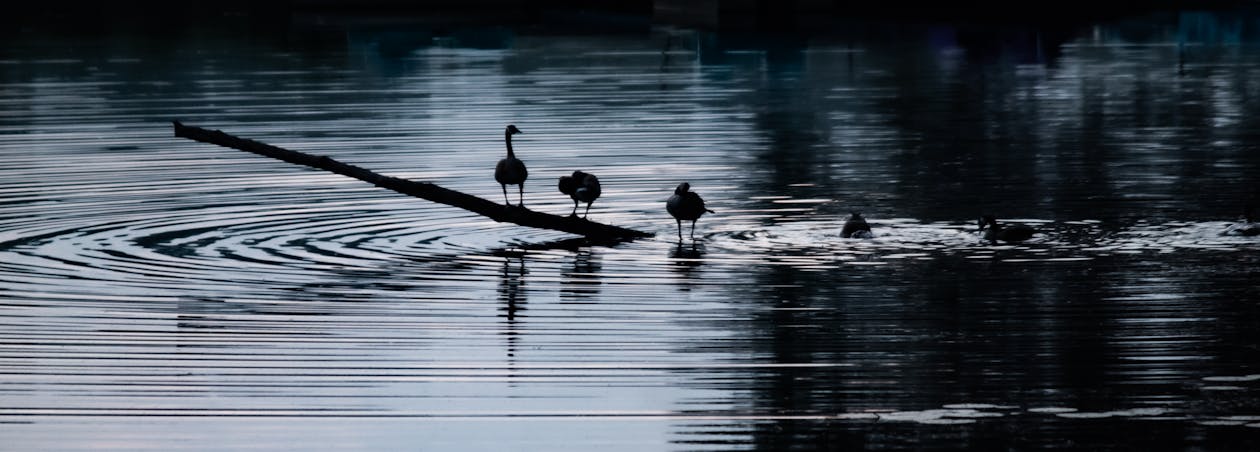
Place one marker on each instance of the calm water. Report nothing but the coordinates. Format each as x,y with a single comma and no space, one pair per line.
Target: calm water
158,293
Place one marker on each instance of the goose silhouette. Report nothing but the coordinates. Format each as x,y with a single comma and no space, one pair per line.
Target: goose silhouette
856,227
581,187
686,205
511,170
1005,233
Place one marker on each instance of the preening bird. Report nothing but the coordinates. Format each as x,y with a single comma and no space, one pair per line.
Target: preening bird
511,170
856,227
686,205
1009,233
582,187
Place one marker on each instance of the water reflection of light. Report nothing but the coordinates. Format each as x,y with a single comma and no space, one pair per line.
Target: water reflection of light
281,286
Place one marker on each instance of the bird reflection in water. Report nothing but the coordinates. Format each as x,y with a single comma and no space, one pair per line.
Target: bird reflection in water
580,279
512,294
198,315
685,259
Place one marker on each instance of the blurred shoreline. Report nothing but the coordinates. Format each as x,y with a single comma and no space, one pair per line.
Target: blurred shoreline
790,16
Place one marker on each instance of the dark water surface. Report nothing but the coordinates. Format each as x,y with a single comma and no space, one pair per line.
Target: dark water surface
162,294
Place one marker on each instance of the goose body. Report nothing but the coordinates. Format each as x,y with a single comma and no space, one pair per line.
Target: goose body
686,205
581,187
511,170
1005,233
856,227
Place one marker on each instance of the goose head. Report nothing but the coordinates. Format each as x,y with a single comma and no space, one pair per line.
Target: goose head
987,220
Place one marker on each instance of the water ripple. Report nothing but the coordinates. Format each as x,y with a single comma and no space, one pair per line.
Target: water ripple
156,292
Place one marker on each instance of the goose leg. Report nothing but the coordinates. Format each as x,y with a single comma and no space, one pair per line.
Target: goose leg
588,210
505,198
522,200
574,213
679,230
693,230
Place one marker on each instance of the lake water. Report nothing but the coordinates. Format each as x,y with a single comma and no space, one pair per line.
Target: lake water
162,294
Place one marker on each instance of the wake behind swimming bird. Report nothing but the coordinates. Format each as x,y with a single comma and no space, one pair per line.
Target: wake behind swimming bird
1247,227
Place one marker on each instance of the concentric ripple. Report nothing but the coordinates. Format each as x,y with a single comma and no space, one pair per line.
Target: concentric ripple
158,293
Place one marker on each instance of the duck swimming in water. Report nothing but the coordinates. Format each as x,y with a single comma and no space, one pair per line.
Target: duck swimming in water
582,187
1011,233
856,227
511,170
1248,227
686,205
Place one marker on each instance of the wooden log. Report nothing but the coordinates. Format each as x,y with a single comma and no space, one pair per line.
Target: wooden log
425,190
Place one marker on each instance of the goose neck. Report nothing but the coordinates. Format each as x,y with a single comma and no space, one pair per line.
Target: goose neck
507,138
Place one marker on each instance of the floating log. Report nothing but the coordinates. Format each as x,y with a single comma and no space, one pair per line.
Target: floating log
424,190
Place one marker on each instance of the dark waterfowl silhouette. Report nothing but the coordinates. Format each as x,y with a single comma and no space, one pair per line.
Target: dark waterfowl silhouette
1247,227
856,227
1005,233
686,205
582,187
511,170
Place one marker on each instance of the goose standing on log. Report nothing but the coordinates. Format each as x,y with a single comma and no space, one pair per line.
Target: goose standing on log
856,227
1011,233
686,205
511,170
580,186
